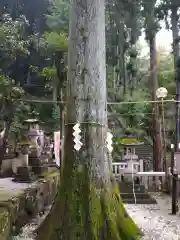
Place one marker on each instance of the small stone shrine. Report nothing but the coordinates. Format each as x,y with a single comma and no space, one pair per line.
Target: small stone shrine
47,152
133,164
24,173
131,190
35,148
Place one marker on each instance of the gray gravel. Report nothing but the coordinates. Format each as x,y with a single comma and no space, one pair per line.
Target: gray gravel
7,183
156,220
27,232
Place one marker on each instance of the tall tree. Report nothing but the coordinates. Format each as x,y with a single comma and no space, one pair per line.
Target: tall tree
168,10
88,205
151,27
13,43
174,6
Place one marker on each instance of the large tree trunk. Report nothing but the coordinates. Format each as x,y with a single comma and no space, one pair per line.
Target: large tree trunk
88,204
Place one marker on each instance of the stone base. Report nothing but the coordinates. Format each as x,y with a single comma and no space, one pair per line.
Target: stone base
24,175
129,193
35,163
19,204
38,169
6,174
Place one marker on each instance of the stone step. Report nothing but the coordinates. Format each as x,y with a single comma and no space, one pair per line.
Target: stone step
128,188
139,201
127,195
138,195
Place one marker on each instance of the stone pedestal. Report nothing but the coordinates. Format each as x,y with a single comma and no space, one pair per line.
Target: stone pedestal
37,168
24,158
134,194
35,162
35,151
24,175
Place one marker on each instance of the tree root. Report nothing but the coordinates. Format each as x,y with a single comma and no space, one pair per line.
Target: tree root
83,213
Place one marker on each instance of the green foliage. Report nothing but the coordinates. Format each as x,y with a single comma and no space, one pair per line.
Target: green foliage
151,23
58,19
13,42
163,11
134,111
49,73
167,79
123,28
54,46
51,44
18,129
56,41
124,21
129,141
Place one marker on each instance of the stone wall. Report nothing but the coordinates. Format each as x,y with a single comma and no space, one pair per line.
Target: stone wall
17,211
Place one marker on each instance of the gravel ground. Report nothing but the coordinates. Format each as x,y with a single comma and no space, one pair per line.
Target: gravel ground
7,183
156,220
27,232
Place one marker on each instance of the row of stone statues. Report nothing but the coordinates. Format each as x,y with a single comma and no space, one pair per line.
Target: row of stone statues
34,154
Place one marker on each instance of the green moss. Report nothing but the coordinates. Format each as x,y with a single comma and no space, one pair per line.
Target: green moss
25,142
82,212
47,174
6,196
129,141
4,224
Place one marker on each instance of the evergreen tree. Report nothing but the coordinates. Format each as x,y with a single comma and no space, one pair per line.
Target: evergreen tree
88,204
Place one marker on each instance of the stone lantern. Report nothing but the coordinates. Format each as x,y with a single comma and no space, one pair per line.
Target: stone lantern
34,148
22,169
24,152
134,165
33,131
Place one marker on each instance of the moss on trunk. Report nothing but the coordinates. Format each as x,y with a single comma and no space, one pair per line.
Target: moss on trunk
82,212
88,206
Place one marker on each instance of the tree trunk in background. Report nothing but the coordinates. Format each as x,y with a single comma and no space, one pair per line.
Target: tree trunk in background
176,53
88,204
8,123
61,106
124,73
55,92
156,124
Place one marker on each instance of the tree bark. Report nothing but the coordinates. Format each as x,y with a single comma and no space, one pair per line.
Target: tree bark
156,124
8,123
88,204
176,53
124,67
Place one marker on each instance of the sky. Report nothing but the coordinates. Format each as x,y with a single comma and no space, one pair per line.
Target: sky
163,40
